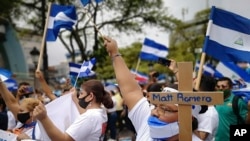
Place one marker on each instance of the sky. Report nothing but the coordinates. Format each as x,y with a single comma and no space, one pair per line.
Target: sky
56,51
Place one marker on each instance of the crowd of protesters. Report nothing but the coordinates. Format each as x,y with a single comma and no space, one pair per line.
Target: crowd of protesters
122,112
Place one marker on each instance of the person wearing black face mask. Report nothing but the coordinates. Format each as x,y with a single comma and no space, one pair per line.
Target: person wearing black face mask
90,125
23,117
21,112
83,103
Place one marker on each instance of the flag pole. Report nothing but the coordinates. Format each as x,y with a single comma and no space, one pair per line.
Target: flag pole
203,56
198,79
44,37
137,65
76,80
95,26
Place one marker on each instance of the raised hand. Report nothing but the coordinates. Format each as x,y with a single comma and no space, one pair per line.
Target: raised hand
40,112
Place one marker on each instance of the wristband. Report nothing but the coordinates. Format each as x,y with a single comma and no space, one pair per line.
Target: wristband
113,57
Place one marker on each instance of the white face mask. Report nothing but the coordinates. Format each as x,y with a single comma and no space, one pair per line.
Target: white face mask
160,130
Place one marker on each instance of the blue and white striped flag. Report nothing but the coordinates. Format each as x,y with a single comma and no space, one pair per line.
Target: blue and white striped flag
60,17
86,2
152,50
74,69
139,76
228,36
86,68
5,74
232,71
11,84
208,69
83,70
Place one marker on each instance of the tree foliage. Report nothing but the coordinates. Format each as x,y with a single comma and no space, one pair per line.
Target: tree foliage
189,36
127,16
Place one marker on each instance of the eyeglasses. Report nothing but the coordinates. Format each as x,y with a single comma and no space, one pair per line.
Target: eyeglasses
164,110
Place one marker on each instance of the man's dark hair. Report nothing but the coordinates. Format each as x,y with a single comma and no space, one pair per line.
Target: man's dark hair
229,81
207,83
23,84
154,87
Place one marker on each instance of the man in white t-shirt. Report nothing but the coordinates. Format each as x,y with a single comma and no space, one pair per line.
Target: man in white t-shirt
160,123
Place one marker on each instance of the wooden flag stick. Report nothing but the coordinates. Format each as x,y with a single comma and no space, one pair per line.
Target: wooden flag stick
198,79
43,39
137,65
202,60
90,18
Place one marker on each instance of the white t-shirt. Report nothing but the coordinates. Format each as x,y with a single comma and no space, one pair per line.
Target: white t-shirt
110,110
208,122
27,131
11,120
89,126
139,115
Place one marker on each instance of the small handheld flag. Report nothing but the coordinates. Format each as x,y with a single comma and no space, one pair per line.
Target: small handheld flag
74,69
152,50
86,2
86,68
60,17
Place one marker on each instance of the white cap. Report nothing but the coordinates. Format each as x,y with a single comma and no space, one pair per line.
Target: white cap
168,89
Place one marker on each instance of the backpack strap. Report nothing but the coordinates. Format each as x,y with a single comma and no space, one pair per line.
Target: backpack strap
236,109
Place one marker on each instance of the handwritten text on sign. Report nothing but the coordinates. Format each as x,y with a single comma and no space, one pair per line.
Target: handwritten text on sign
204,98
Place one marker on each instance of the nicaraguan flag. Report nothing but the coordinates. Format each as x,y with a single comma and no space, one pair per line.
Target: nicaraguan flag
152,50
208,68
74,69
234,72
60,17
228,36
243,92
140,77
86,2
11,84
86,68
5,74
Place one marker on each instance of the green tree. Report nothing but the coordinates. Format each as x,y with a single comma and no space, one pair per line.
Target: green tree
130,55
127,16
189,36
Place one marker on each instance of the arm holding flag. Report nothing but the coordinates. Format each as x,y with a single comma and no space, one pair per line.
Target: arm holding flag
129,87
45,86
174,68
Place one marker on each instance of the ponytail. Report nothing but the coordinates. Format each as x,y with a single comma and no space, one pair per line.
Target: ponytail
107,101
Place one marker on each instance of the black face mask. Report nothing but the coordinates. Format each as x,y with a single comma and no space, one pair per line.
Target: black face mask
23,117
83,103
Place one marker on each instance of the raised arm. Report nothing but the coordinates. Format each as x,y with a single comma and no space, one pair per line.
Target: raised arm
174,68
130,89
9,99
45,86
